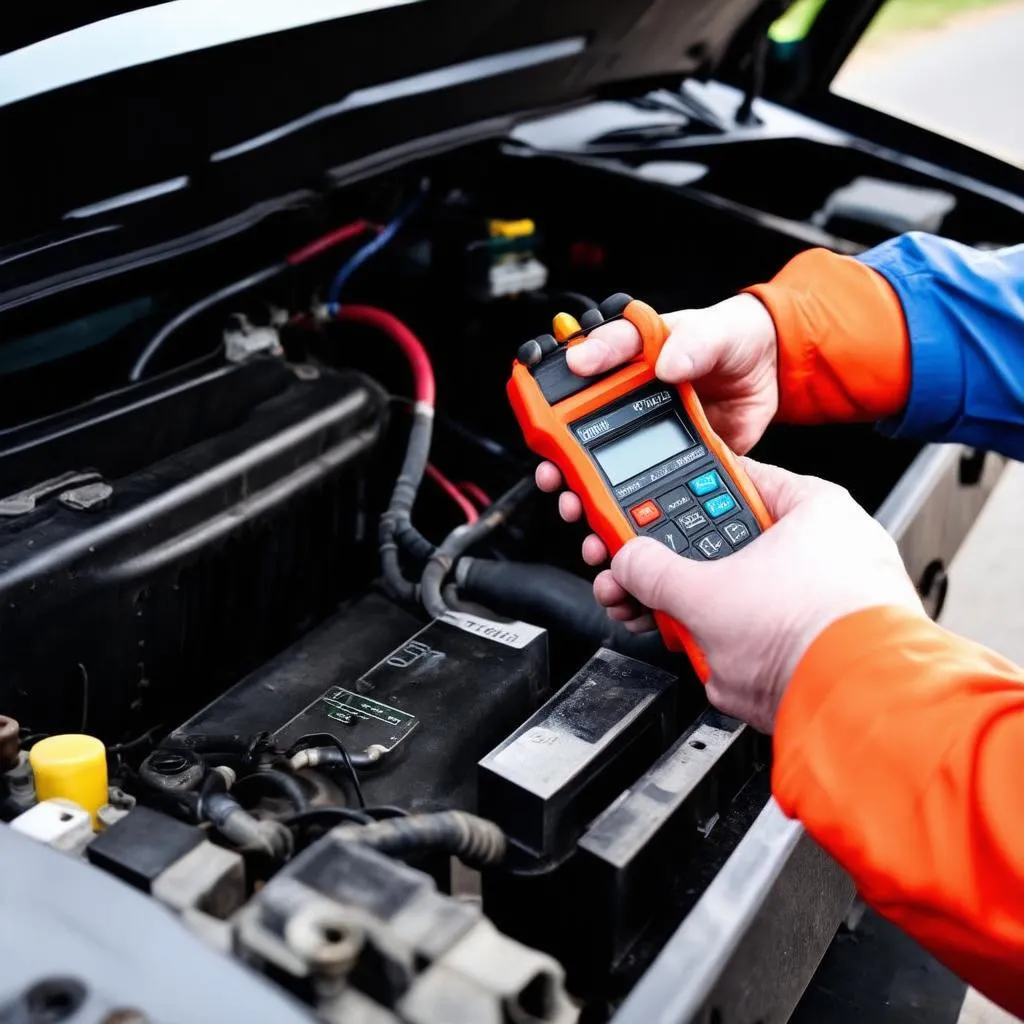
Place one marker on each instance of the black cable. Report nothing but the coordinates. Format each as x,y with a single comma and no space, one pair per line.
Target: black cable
461,539
200,306
383,811
270,778
327,816
318,739
138,741
482,441
403,497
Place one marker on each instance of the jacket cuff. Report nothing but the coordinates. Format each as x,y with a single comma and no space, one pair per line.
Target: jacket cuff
843,348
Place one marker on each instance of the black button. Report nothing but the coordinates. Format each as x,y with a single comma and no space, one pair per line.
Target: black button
671,536
675,501
711,545
692,522
736,532
614,305
590,319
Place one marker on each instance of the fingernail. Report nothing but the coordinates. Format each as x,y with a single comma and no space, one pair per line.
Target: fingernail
578,360
675,363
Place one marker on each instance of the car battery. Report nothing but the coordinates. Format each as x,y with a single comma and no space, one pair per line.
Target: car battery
431,698
149,540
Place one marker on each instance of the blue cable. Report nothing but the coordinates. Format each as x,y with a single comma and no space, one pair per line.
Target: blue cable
361,255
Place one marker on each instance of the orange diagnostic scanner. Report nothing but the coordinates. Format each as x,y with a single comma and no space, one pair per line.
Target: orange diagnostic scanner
640,453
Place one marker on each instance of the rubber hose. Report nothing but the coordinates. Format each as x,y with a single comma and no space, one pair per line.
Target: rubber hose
475,841
552,598
238,826
271,782
412,542
399,510
461,539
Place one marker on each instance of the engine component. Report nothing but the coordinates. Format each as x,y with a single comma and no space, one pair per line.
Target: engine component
416,704
20,784
630,855
58,823
243,340
170,593
248,833
10,743
475,841
142,845
207,880
71,767
343,917
505,262
891,207
172,769
93,938
585,745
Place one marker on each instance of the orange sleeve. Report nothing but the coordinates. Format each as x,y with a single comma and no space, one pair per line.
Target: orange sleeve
844,351
901,749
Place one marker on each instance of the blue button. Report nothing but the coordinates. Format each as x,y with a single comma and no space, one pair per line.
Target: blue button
719,505
705,483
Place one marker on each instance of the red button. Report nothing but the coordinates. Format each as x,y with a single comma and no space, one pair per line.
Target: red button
645,513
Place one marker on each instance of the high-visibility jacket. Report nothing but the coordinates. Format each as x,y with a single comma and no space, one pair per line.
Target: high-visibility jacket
898,745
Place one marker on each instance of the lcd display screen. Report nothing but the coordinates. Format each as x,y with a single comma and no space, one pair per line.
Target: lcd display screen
642,449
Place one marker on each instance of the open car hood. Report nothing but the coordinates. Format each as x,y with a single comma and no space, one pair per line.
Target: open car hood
243,101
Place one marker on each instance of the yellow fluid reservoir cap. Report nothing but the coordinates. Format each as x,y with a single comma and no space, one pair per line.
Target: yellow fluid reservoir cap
511,228
71,767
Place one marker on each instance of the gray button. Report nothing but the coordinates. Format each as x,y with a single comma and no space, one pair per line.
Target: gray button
675,501
711,545
736,532
692,522
671,536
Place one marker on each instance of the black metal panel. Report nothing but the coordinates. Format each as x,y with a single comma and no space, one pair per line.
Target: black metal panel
452,694
544,782
189,576
744,954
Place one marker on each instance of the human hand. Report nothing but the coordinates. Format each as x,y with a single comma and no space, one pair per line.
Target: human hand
727,350
755,613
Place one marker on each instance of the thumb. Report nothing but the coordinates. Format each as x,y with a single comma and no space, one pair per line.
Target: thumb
781,490
663,580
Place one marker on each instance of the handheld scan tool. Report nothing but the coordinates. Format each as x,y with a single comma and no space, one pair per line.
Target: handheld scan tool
640,453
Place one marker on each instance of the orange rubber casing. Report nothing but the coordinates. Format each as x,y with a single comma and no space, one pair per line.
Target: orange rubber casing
546,431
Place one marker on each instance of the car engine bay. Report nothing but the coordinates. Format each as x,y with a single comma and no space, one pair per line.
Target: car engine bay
290,642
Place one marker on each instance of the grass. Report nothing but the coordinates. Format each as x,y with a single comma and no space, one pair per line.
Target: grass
898,16
895,17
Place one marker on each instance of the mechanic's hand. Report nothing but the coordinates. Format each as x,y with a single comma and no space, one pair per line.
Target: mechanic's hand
755,613
727,350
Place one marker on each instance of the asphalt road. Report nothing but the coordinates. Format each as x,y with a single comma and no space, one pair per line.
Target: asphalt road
965,80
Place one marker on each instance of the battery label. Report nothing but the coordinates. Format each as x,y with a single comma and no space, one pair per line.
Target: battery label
511,634
388,725
344,705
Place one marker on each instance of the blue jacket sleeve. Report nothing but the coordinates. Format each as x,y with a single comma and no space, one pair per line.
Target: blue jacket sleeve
964,310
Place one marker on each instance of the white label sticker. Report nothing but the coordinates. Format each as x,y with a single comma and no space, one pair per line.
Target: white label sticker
511,634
